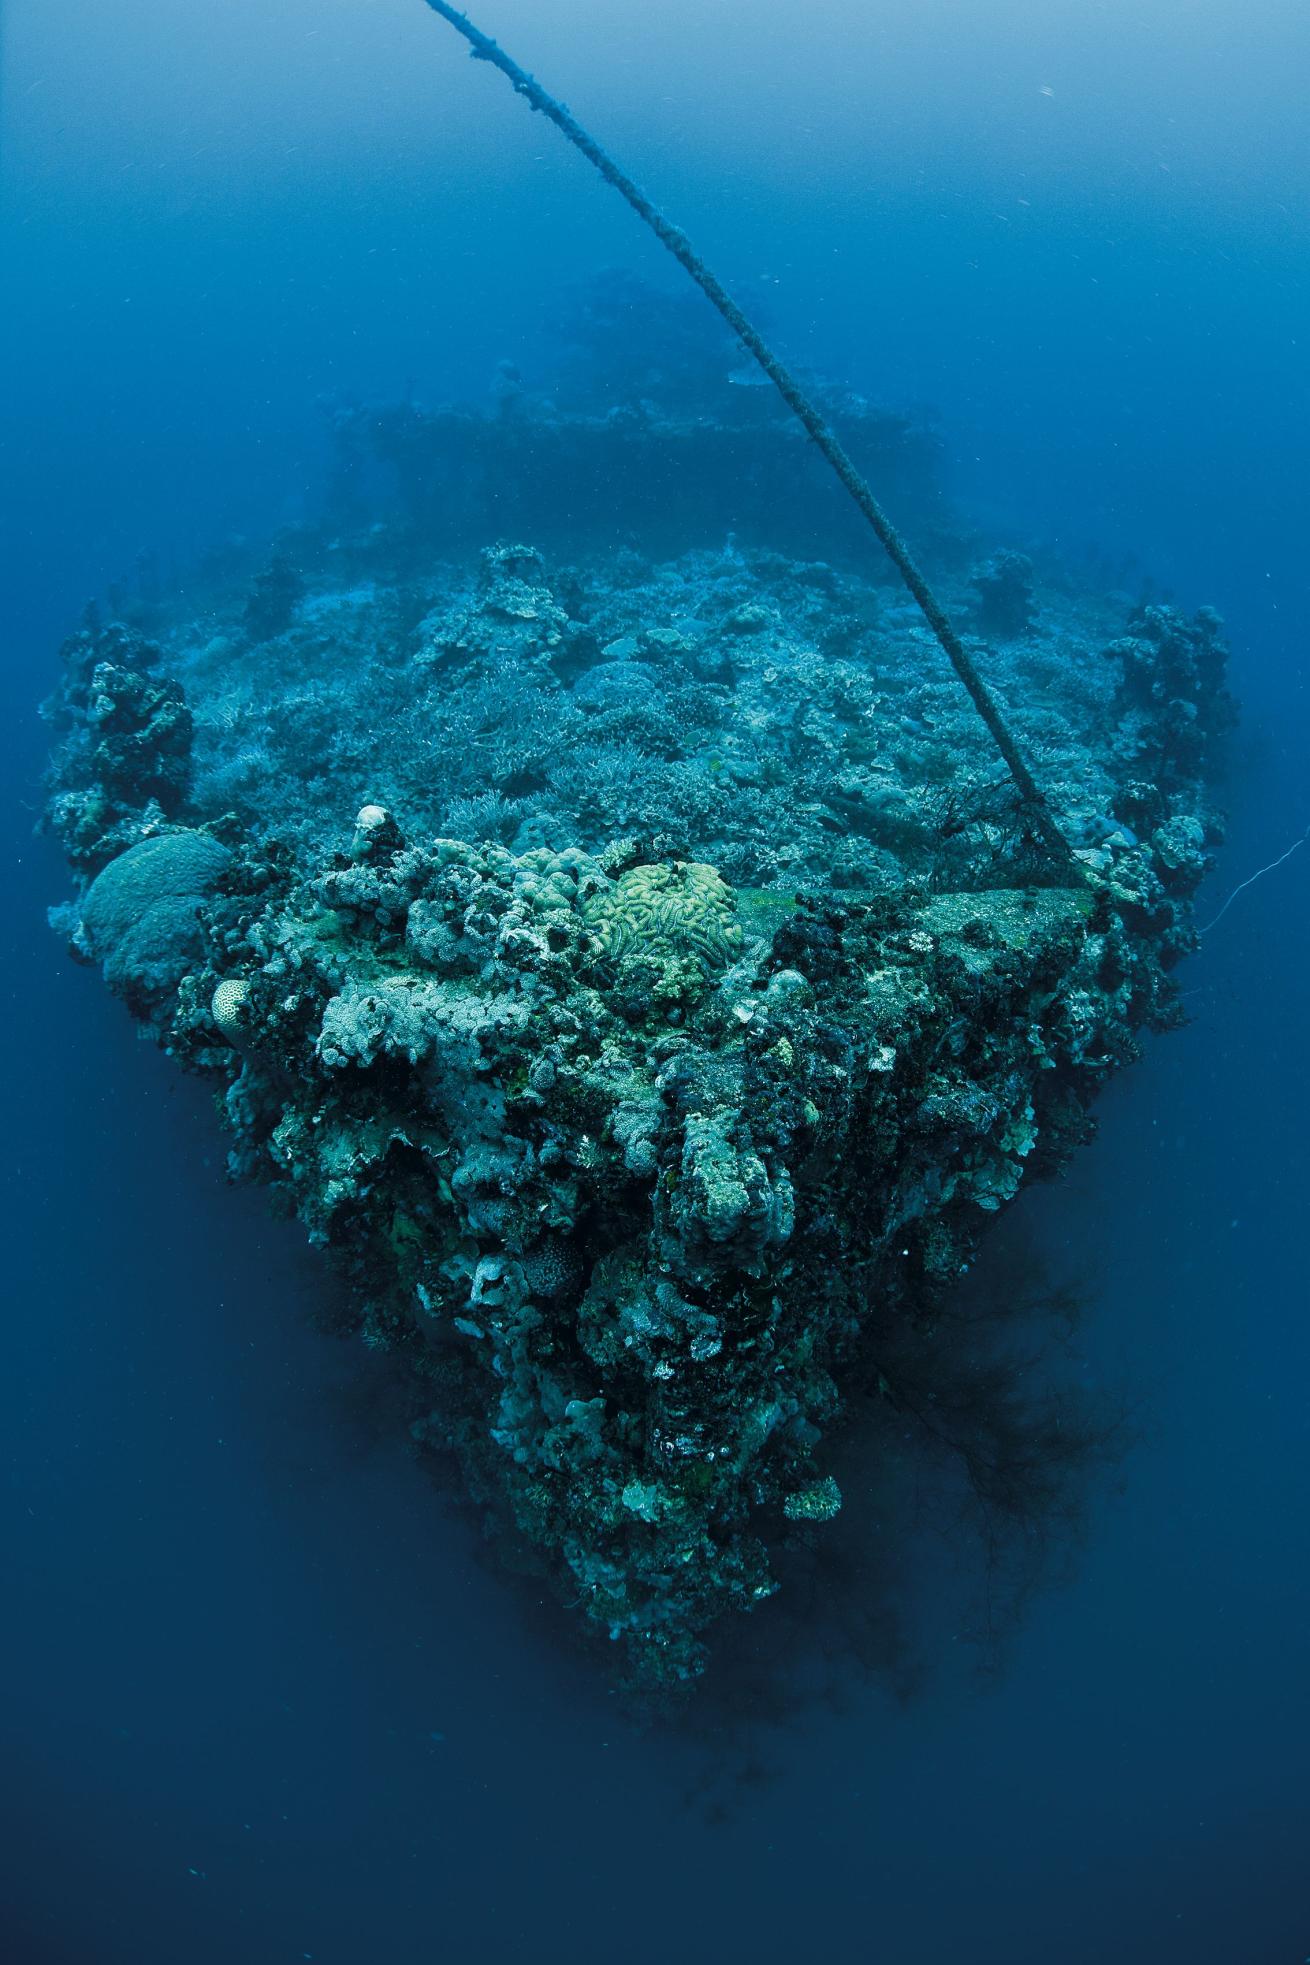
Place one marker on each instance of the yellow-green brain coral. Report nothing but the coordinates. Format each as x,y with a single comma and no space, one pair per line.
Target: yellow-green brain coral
667,914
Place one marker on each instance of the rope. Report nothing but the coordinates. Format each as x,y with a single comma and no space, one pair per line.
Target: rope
1250,881
1036,808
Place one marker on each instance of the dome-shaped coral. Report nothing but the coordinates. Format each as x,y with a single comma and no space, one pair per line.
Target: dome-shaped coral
667,914
227,1007
141,914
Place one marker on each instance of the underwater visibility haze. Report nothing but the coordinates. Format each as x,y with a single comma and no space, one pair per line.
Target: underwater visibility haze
688,1335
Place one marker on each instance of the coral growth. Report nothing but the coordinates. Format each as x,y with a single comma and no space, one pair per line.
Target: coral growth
633,969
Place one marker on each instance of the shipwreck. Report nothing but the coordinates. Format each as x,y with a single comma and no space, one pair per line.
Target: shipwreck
606,921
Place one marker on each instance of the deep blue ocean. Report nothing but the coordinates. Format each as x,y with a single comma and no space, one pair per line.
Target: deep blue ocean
264,1696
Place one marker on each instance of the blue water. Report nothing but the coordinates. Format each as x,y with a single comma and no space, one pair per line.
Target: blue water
263,1698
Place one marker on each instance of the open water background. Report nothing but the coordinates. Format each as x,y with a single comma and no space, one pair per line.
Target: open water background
262,1701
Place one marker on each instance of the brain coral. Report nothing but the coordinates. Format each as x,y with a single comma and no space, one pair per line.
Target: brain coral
227,1008
667,915
141,913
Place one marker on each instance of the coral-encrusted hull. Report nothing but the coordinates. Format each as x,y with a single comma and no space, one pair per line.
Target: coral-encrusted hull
680,1007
